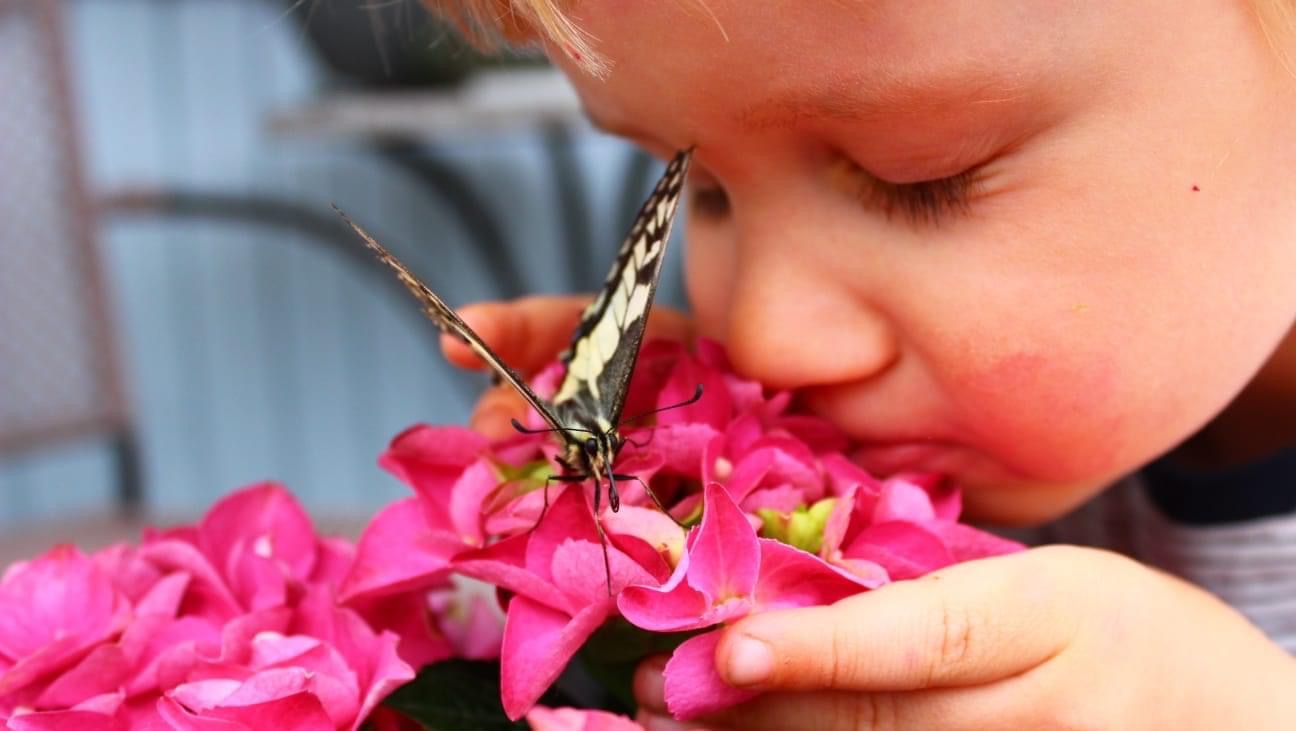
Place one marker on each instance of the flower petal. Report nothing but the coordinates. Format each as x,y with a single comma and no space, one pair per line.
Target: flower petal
397,552
946,497
650,526
103,671
430,460
53,609
693,685
902,500
503,565
207,593
578,719
538,643
724,559
265,520
680,445
673,606
476,482
568,518
300,711
574,572
790,577
966,543
905,550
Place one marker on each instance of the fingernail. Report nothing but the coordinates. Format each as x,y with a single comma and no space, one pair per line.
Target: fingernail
750,662
653,722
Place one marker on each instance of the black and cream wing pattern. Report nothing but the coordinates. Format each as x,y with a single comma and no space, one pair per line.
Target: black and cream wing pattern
605,345
440,313
586,409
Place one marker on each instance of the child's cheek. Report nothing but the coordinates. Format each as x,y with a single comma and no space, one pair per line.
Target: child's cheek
1059,416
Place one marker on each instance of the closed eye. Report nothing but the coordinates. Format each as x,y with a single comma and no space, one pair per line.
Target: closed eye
920,202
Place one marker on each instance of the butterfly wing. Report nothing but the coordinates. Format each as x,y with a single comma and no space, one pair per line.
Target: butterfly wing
605,346
449,322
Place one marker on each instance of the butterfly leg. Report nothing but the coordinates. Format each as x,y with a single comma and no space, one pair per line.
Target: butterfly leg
652,495
603,540
555,478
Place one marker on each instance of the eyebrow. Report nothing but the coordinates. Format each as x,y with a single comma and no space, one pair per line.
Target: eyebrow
872,99
847,100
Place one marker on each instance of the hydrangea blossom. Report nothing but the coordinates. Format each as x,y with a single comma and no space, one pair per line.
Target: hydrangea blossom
231,623
250,620
780,518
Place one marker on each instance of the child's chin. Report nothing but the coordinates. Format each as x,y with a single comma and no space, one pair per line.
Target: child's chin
1019,502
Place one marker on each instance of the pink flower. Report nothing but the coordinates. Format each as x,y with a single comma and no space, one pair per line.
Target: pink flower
332,672
906,524
471,621
726,574
575,719
230,623
557,575
100,713
54,612
477,509
411,542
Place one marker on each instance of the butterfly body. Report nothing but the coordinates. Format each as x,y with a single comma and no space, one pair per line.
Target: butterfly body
585,412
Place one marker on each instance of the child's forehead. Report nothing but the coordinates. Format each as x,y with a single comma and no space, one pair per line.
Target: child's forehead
844,60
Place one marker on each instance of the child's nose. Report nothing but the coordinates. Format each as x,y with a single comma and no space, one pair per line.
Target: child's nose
792,324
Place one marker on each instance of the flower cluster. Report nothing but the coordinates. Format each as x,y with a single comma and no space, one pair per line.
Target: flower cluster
777,518
232,623
249,620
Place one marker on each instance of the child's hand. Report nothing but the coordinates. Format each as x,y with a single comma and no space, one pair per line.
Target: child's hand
528,334
1058,637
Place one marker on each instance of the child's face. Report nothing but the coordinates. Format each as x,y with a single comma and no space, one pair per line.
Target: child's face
1119,258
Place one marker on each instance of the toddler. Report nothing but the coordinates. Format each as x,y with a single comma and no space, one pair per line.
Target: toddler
1034,245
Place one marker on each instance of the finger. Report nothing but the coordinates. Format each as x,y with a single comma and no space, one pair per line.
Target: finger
530,332
956,709
972,623
526,333
649,685
658,722
495,410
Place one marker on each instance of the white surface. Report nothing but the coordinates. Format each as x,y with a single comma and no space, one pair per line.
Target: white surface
490,102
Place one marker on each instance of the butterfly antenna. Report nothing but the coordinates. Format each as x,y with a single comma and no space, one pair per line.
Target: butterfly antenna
697,396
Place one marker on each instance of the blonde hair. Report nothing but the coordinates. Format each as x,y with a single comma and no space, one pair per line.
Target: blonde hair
490,23
1278,23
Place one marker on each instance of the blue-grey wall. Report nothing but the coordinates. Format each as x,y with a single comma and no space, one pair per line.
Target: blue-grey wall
251,353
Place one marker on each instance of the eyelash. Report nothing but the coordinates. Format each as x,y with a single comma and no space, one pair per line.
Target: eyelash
922,202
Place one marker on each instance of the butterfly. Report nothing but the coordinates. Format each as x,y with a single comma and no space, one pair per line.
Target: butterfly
585,412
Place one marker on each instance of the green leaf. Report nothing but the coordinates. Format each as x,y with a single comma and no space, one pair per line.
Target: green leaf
611,654
459,694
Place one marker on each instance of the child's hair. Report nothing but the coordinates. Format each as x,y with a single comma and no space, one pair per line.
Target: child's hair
490,23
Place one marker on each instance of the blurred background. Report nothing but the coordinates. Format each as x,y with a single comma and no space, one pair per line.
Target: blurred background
182,314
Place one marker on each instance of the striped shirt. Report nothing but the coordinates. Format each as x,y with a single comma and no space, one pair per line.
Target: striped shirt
1232,533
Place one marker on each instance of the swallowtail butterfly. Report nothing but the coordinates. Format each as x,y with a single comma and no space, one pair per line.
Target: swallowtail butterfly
586,410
